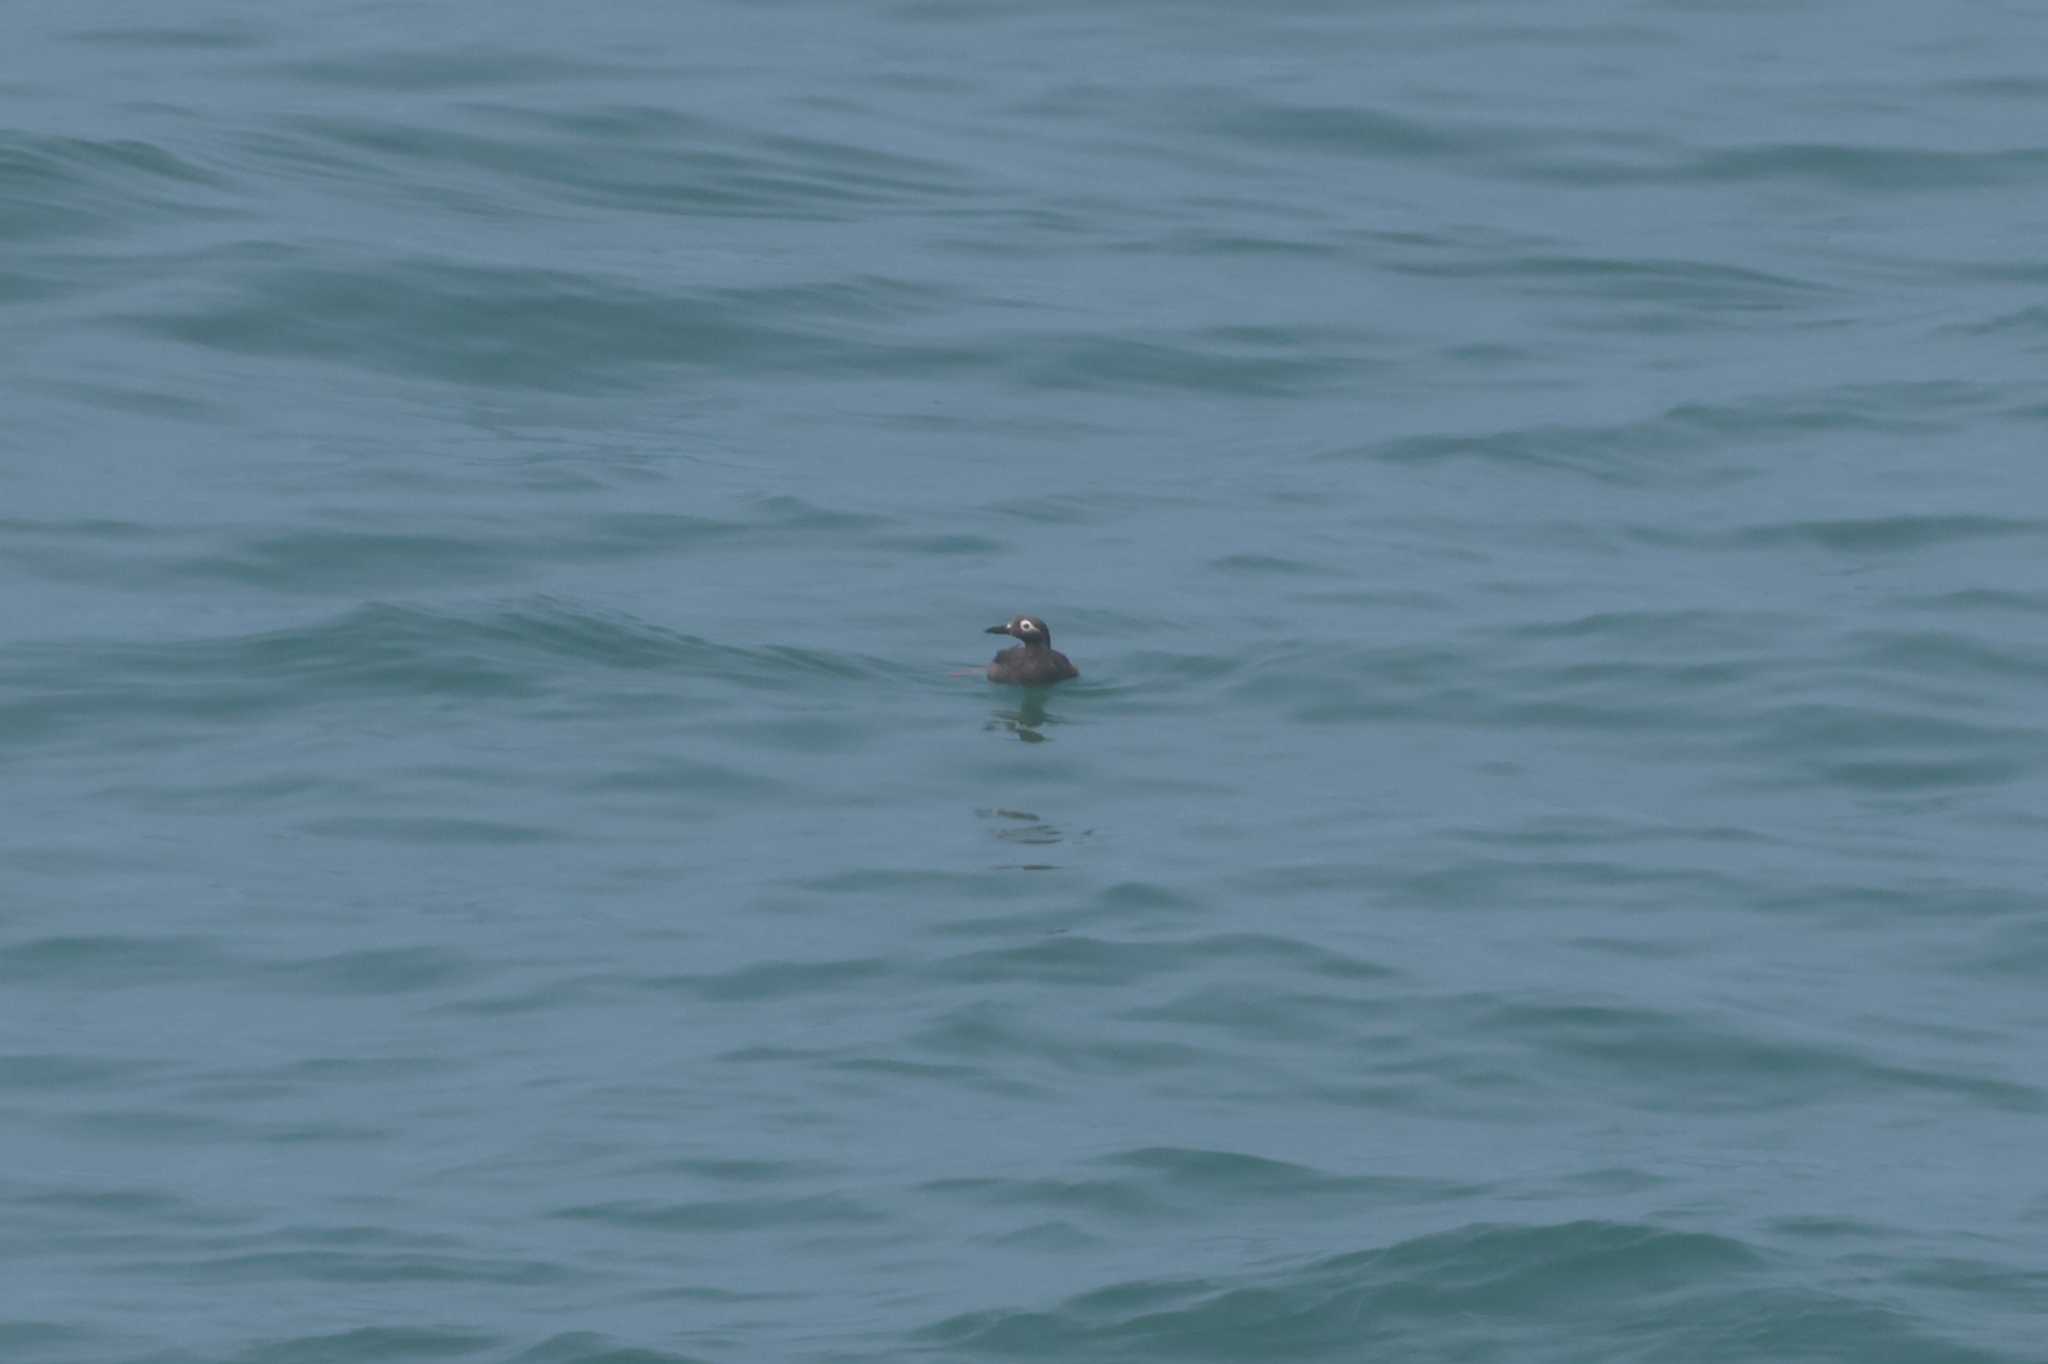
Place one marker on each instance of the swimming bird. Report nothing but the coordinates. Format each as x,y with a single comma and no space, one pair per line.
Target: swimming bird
1033,662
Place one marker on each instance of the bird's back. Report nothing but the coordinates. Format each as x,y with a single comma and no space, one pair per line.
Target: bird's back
1025,667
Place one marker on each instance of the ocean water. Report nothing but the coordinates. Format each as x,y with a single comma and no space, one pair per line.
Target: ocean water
1546,858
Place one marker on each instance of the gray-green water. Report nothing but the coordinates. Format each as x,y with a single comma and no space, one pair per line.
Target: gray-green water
1546,860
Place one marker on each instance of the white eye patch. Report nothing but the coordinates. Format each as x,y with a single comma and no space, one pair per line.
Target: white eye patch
1027,624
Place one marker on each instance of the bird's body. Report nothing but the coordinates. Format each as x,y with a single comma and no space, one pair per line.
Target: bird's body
1032,662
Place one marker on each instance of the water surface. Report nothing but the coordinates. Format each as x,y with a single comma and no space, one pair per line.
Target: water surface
1543,862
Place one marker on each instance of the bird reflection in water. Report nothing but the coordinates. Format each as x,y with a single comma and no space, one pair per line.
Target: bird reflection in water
1024,828
1026,719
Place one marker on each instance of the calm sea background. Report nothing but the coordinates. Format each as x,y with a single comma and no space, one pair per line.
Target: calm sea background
1546,860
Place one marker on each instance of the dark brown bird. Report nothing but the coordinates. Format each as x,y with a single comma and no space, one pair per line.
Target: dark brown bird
1032,662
